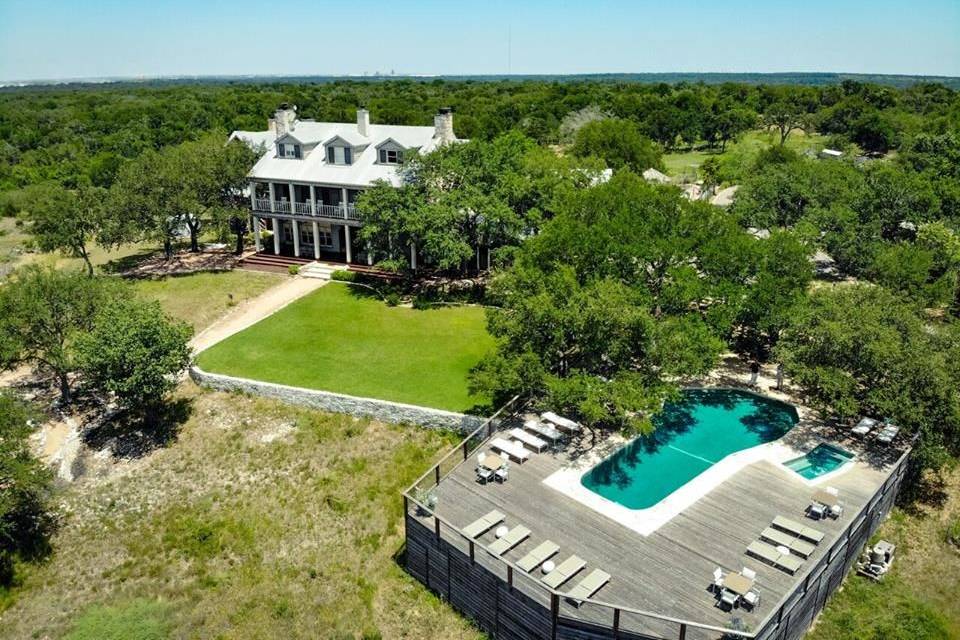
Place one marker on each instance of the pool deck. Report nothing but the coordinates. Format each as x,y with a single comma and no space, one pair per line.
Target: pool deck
668,571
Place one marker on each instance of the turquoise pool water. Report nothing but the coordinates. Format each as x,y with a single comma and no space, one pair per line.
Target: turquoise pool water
691,436
822,459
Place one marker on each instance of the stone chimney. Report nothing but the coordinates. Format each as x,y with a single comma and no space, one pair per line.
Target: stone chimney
443,125
363,121
285,119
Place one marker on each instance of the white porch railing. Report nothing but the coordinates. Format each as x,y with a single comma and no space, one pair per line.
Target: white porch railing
335,211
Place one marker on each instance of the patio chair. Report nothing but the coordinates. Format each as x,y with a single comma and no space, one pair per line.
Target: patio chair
817,511
832,491
512,538
484,475
717,579
748,573
503,473
752,598
536,557
485,523
564,571
729,598
888,434
836,511
588,586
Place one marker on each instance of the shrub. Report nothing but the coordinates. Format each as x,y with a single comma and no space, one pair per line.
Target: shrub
344,276
421,302
392,299
293,269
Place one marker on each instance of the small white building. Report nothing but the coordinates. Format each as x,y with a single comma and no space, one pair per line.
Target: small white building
306,182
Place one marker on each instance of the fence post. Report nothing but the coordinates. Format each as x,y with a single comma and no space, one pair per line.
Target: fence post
554,614
436,529
616,624
436,473
509,576
471,551
465,450
683,631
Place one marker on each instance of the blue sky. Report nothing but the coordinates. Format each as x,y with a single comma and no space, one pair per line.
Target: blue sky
47,39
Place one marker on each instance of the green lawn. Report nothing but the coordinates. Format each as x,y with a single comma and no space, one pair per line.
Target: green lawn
201,298
338,339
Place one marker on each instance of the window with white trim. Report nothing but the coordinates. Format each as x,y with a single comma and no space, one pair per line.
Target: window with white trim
288,150
339,155
391,156
325,238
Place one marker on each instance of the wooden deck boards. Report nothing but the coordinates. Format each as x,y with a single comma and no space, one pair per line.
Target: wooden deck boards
669,571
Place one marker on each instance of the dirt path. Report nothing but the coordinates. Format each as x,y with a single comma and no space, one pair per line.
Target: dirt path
252,311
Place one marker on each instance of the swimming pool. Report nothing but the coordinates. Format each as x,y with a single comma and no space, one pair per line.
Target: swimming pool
691,436
821,460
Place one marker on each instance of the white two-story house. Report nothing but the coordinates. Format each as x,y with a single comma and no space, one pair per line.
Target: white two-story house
310,174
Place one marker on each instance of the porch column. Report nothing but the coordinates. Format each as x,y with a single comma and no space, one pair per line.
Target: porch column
369,256
256,234
313,210
276,236
273,199
293,199
413,256
346,233
296,238
316,234
253,195
343,201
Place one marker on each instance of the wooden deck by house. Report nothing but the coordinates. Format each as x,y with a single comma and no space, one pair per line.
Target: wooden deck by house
668,572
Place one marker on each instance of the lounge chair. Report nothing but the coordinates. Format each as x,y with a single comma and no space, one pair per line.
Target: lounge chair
536,557
512,538
888,433
799,530
563,572
512,448
545,430
748,573
529,440
863,427
562,423
796,545
588,586
770,554
487,522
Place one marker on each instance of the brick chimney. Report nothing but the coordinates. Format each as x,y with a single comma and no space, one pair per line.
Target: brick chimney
285,119
363,121
443,125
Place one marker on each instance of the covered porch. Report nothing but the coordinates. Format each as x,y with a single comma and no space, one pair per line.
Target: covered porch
310,239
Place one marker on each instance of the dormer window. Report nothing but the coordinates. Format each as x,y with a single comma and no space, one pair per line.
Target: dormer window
289,150
339,155
391,156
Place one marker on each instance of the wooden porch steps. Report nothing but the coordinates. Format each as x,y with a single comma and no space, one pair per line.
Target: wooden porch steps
269,262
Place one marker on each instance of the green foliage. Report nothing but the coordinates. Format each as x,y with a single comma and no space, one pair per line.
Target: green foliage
343,275
134,352
293,269
26,517
618,143
134,620
861,350
43,311
66,220
392,299
626,288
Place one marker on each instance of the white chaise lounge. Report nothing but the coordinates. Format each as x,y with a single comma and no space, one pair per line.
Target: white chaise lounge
480,525
512,538
529,440
562,423
510,447
588,586
564,571
532,560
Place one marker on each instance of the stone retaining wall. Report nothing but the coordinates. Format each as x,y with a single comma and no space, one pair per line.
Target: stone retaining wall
383,410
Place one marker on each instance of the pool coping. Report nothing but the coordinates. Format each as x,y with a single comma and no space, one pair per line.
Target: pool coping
568,480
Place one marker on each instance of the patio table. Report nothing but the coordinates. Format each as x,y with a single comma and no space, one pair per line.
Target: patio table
826,499
491,461
737,583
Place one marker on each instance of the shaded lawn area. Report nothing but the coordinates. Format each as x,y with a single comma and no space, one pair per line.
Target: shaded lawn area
201,298
338,339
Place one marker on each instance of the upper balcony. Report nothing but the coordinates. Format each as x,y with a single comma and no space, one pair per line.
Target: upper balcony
342,211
